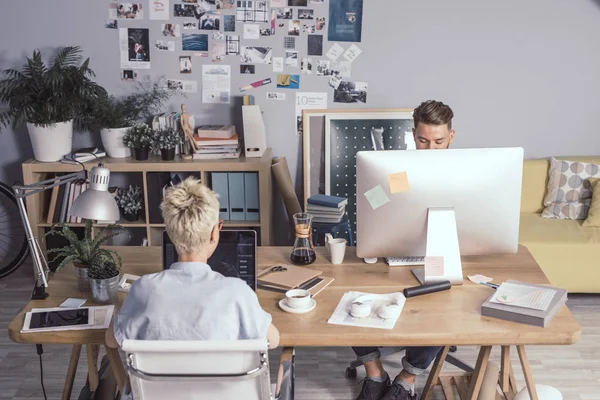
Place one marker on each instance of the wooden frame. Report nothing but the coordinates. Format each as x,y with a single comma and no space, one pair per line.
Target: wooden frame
307,139
37,205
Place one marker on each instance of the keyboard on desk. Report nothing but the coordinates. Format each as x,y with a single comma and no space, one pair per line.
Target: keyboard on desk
401,261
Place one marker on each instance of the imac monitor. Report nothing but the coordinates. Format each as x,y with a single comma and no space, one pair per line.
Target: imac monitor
480,187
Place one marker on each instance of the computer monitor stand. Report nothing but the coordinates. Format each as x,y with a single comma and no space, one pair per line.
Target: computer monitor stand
442,241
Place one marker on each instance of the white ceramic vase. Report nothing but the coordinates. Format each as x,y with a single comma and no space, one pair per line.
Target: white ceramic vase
51,143
112,140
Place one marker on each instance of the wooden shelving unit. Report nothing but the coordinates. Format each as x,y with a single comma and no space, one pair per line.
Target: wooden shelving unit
37,205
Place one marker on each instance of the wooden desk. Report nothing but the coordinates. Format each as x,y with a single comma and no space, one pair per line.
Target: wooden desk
440,319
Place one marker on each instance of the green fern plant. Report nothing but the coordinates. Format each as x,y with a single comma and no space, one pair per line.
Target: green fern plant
45,95
85,251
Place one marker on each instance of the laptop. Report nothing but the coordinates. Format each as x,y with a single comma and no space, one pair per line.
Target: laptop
235,255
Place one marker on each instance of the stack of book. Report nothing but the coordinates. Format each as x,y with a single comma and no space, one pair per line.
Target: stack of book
326,209
83,155
217,141
61,201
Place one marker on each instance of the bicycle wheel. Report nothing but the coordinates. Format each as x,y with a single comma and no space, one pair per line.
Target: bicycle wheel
13,241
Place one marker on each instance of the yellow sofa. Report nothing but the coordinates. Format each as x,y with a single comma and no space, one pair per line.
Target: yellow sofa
568,253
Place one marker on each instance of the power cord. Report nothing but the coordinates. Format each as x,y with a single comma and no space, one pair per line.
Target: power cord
40,351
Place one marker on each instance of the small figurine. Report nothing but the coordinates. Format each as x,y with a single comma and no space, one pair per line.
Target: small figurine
187,128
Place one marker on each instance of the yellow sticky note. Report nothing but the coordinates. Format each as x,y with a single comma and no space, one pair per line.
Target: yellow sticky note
377,197
398,182
434,266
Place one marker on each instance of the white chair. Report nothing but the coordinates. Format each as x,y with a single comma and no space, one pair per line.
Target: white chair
544,392
223,370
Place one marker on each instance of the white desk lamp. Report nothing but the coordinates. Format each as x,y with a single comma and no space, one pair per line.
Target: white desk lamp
95,203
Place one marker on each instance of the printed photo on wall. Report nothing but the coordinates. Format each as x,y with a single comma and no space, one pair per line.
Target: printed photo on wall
351,92
218,35
298,3
190,25
217,52
247,69
252,11
345,21
194,42
225,4
285,13
229,23
265,32
323,68
306,66
315,45
306,14
294,28
316,1
185,64
126,10
170,30
308,27
256,55
291,58
206,5
210,21
289,43
139,44
190,1
111,24
128,75
164,45
184,10
320,23
286,81
232,44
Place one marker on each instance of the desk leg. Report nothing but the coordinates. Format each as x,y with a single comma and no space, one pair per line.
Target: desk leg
507,375
92,362
477,379
434,373
75,352
527,372
117,367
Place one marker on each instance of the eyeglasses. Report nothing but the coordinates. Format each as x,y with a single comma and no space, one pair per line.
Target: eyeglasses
220,224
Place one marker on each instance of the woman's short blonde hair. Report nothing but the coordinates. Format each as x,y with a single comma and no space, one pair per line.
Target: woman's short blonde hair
190,210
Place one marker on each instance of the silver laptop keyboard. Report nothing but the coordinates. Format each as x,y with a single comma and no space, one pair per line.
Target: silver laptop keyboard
400,261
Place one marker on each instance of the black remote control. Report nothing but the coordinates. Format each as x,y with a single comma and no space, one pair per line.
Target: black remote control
427,288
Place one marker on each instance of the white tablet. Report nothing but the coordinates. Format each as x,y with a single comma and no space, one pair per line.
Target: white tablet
53,320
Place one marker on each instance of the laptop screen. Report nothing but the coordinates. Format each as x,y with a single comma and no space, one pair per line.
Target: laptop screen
235,255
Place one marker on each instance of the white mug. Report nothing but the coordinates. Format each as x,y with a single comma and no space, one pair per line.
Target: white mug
297,298
336,247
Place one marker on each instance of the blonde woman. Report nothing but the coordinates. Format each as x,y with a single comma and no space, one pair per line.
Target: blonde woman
190,301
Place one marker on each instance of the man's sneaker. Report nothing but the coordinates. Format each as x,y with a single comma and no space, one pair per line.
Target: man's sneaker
372,390
398,392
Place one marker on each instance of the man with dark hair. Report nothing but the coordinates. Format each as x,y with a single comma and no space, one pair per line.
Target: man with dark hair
433,130
433,125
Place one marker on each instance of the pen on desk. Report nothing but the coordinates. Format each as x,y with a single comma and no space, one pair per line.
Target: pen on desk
492,285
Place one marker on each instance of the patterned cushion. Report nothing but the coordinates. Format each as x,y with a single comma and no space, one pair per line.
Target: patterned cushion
593,217
569,191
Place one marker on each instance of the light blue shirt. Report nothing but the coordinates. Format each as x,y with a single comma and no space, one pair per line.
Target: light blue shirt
190,301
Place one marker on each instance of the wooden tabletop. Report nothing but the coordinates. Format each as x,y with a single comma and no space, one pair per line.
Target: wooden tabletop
445,318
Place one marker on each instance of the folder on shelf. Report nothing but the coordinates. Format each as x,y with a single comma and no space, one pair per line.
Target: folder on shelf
251,196
221,187
236,196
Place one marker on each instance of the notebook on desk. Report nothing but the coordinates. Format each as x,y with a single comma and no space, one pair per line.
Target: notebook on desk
286,276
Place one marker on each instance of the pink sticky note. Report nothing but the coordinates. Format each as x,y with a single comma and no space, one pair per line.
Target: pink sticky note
434,266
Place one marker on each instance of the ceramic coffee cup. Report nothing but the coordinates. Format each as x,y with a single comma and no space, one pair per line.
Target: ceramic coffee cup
336,247
297,298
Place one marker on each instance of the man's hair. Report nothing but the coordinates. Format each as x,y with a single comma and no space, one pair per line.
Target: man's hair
190,211
433,112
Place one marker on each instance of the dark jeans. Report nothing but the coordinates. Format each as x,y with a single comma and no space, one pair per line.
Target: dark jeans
416,361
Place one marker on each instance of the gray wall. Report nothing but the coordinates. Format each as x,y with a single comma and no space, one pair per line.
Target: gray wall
517,73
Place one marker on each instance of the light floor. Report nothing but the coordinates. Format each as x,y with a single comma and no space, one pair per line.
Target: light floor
574,370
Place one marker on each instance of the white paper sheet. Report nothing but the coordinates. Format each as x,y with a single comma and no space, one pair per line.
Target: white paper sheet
516,295
124,51
341,315
352,53
216,84
159,9
308,101
275,96
184,86
335,52
277,64
251,31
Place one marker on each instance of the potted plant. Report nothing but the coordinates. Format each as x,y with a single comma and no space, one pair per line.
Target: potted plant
130,202
50,99
167,140
114,116
83,252
104,280
140,138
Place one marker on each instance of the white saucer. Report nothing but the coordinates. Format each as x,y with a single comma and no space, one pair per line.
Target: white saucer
283,305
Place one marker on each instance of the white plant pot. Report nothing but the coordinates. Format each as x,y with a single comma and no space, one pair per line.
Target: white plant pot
112,140
51,143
